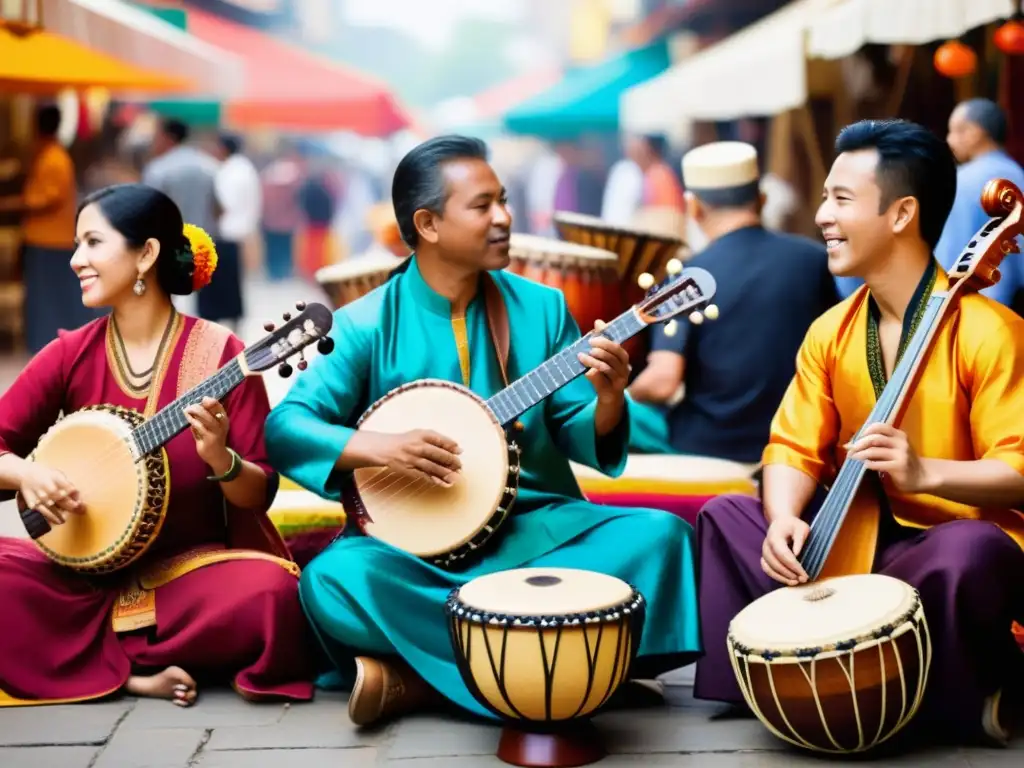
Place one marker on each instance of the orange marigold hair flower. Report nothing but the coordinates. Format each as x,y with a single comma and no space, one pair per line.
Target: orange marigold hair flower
204,255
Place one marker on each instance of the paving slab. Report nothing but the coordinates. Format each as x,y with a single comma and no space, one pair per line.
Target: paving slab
89,723
290,758
213,709
46,757
441,737
152,747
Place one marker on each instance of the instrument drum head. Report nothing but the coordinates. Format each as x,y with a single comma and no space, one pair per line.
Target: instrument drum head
93,453
837,666
545,644
558,252
415,515
823,612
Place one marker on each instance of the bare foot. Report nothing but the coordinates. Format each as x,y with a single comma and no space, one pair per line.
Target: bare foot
173,683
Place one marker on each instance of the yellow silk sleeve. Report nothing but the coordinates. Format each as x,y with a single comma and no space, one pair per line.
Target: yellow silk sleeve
996,387
806,425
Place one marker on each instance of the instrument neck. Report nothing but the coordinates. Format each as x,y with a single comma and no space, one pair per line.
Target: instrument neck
826,525
524,393
170,420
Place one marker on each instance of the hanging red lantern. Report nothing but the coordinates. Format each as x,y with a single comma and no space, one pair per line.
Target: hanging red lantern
954,59
1009,38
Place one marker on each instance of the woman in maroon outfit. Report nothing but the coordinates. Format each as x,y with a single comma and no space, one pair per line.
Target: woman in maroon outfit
216,596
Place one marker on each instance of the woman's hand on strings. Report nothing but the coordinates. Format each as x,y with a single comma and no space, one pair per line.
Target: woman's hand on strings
210,425
887,450
50,493
421,454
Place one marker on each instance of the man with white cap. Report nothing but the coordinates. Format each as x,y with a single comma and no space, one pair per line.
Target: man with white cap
771,287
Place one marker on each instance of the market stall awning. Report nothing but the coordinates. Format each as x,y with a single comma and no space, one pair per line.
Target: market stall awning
45,63
848,25
587,99
287,88
137,37
760,70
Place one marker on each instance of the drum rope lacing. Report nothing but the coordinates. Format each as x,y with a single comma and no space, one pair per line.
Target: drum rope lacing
627,607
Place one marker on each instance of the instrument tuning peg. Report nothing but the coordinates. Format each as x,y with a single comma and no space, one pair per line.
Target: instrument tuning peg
268,326
302,364
673,267
325,346
696,318
645,281
670,328
285,370
287,316
711,312
300,305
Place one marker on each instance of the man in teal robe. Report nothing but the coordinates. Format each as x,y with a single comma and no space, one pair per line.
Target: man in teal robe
379,611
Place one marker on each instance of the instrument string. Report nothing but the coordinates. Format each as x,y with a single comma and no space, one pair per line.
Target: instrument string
837,503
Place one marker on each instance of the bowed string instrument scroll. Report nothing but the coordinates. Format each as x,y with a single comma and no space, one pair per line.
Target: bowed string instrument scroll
975,269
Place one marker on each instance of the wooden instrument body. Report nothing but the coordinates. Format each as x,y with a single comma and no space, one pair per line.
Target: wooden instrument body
588,277
545,645
125,500
442,525
838,666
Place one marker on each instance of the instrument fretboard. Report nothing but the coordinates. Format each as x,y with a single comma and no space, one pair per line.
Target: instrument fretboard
826,525
170,420
524,393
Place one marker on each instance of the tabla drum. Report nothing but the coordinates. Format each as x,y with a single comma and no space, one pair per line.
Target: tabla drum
587,276
837,666
681,485
351,279
544,649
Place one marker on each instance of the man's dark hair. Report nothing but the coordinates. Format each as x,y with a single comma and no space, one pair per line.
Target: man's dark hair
230,143
912,162
988,116
47,120
175,129
419,182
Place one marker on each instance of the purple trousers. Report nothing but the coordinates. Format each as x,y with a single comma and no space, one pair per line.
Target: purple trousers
970,576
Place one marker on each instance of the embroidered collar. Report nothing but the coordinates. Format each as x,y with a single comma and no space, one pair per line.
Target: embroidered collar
911,320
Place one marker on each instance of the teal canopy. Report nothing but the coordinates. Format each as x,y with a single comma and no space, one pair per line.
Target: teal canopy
587,99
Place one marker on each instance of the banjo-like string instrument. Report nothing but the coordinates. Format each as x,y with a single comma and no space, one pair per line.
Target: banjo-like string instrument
117,461
445,525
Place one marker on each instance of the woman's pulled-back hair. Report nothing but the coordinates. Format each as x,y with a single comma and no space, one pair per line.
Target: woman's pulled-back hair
139,213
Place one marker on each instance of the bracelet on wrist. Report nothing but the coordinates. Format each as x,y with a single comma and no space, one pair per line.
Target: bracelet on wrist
233,471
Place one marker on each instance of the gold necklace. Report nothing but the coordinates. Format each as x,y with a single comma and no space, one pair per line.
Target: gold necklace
139,382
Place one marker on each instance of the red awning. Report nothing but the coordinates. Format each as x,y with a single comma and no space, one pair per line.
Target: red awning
288,88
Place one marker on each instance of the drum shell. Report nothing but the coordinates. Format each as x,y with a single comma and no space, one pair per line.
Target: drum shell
503,660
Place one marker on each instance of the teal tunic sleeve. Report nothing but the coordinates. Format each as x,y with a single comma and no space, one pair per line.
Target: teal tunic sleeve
308,430
570,413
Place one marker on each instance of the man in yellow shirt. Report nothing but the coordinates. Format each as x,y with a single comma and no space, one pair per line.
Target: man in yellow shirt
951,477
53,296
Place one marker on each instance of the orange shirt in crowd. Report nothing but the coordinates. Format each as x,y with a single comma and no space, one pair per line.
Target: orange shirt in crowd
662,188
51,199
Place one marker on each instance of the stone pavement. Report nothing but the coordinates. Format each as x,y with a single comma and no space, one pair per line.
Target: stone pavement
223,731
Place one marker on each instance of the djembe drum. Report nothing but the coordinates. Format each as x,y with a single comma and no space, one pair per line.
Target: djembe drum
351,279
643,259
836,666
587,276
677,484
544,649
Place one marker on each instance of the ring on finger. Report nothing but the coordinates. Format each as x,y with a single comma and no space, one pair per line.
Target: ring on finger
219,415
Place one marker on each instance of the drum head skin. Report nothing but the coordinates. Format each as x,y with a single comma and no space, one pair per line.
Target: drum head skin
818,614
544,592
